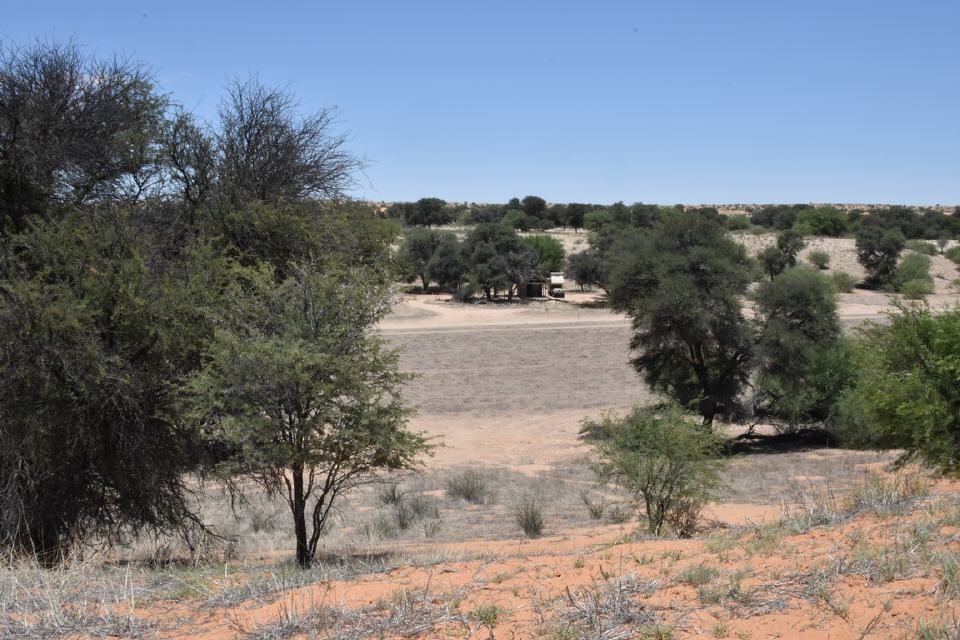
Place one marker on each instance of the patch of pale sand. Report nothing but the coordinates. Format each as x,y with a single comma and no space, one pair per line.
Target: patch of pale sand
736,514
525,441
433,311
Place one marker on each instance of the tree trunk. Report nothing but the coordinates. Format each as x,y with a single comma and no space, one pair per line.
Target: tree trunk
46,546
425,281
304,557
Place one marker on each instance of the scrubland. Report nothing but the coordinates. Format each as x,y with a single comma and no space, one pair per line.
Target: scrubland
809,543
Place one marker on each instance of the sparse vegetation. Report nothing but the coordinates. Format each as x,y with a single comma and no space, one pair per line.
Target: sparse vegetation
210,353
529,516
819,259
468,485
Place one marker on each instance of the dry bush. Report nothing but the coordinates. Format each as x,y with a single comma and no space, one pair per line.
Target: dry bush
528,515
611,611
470,486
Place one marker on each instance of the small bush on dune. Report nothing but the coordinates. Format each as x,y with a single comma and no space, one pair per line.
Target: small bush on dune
953,254
616,515
529,516
843,282
819,259
698,575
469,486
423,507
667,462
595,509
887,496
389,494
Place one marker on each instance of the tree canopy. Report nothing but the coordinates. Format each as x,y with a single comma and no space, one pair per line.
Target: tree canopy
304,393
681,282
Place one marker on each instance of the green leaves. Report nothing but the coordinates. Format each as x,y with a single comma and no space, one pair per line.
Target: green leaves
303,391
681,283
908,390
670,464
878,250
549,250
91,442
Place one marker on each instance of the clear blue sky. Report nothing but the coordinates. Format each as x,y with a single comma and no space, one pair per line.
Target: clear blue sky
669,101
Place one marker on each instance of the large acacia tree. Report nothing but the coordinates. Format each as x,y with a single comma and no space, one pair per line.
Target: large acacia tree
98,326
803,364
681,283
301,388
74,128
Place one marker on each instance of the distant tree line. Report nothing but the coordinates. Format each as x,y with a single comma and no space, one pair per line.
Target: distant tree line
532,213
913,223
491,259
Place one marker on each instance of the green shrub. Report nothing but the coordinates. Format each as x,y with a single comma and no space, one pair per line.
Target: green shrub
669,464
549,250
596,220
516,219
698,575
486,614
822,221
914,267
737,222
842,281
922,246
916,289
529,516
953,254
906,395
819,259
469,486
799,364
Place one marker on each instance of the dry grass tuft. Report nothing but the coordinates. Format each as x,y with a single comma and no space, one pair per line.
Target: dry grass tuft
402,616
611,611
